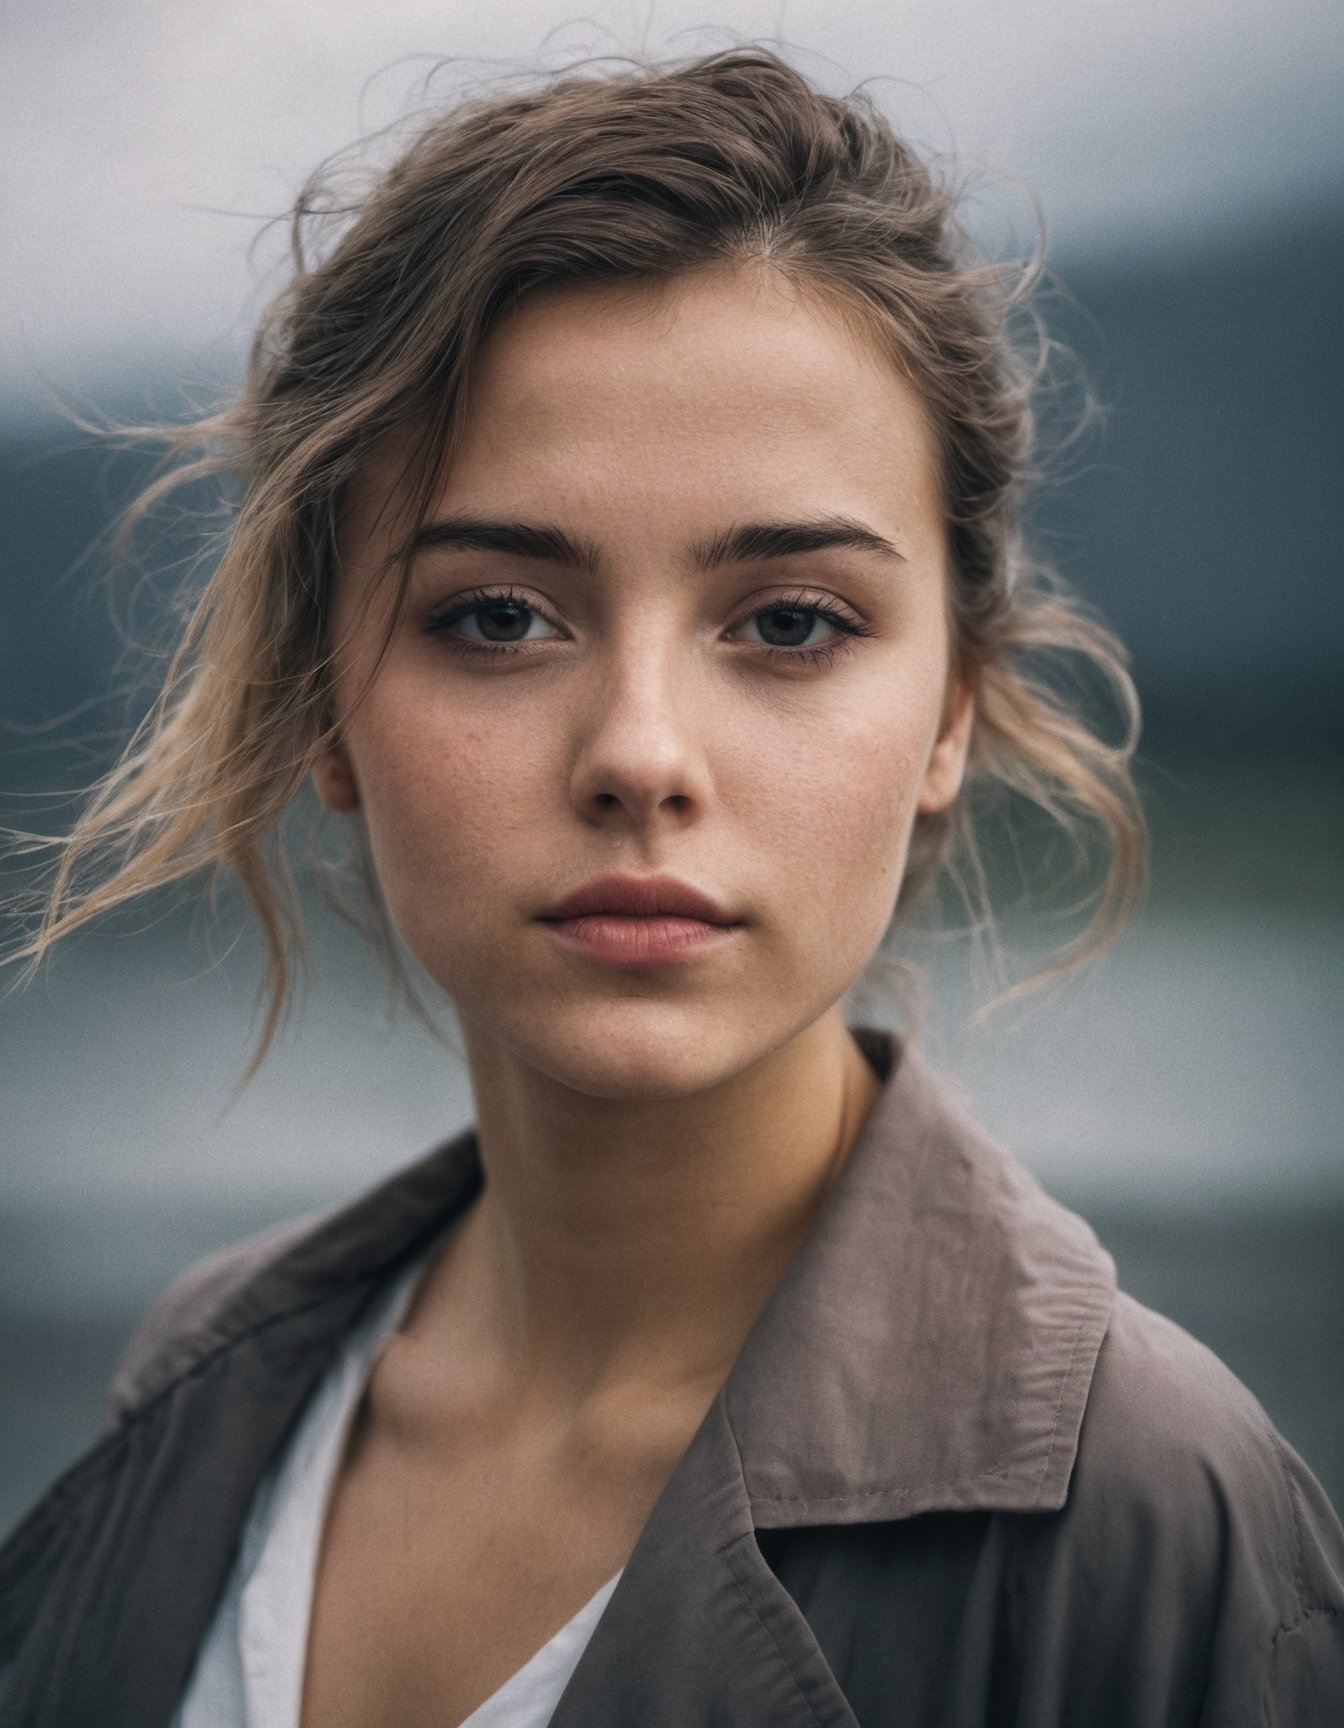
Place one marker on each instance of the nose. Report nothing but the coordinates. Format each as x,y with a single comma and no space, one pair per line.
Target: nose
640,740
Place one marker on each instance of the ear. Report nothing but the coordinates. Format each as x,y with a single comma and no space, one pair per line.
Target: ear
947,764
334,778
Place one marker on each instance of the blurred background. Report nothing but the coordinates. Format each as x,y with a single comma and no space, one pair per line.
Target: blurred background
1185,1095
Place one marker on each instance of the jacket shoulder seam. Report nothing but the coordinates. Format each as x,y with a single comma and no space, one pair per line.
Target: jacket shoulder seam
1305,1609
1286,1629
1305,1603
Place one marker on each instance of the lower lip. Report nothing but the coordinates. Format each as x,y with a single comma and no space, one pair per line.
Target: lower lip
661,941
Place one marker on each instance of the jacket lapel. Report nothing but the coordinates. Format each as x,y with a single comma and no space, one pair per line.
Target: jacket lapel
699,1633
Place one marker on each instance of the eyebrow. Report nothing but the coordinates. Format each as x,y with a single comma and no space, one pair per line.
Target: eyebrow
517,539
746,543
753,541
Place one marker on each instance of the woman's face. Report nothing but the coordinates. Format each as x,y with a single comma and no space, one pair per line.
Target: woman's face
678,610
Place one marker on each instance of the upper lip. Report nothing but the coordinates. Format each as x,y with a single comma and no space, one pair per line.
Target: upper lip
639,897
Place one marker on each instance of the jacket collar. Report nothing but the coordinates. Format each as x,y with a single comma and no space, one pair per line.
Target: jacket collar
932,1344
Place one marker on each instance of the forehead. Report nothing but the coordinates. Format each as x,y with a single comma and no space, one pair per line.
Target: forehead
724,394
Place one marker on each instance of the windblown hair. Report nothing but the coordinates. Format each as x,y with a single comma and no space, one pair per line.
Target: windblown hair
643,174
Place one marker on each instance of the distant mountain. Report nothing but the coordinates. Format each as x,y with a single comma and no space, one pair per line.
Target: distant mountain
1207,518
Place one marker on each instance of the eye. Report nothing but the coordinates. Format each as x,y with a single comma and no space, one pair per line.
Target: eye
502,619
491,620
790,626
802,628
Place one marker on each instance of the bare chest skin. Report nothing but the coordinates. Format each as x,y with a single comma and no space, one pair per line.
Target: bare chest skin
458,1540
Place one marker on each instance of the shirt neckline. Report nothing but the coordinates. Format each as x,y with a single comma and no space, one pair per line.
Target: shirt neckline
254,1650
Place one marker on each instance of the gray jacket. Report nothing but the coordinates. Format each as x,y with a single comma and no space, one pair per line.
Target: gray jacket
953,1478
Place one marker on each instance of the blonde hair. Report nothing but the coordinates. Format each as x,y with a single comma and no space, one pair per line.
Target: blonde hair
645,174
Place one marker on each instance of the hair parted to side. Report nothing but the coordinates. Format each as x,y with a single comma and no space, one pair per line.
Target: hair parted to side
644,173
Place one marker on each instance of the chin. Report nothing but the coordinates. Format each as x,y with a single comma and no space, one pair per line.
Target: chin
640,1050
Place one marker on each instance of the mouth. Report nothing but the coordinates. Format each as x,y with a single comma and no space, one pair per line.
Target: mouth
640,920
639,897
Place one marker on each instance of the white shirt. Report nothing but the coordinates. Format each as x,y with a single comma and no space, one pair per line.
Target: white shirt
249,1668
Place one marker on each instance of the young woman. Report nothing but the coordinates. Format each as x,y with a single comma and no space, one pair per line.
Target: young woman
628,552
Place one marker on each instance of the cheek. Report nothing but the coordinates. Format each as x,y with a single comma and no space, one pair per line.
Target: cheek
860,824
831,813
445,797
832,802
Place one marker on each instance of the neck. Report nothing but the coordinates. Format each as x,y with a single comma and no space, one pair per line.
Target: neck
621,1244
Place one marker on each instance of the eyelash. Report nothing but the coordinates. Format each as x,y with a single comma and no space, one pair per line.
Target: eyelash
824,654
441,622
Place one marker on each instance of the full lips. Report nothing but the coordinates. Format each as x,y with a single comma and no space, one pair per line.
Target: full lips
660,939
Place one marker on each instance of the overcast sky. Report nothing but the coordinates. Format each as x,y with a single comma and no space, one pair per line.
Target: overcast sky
142,139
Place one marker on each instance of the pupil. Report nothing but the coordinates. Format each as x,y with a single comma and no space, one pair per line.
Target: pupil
786,626
504,621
